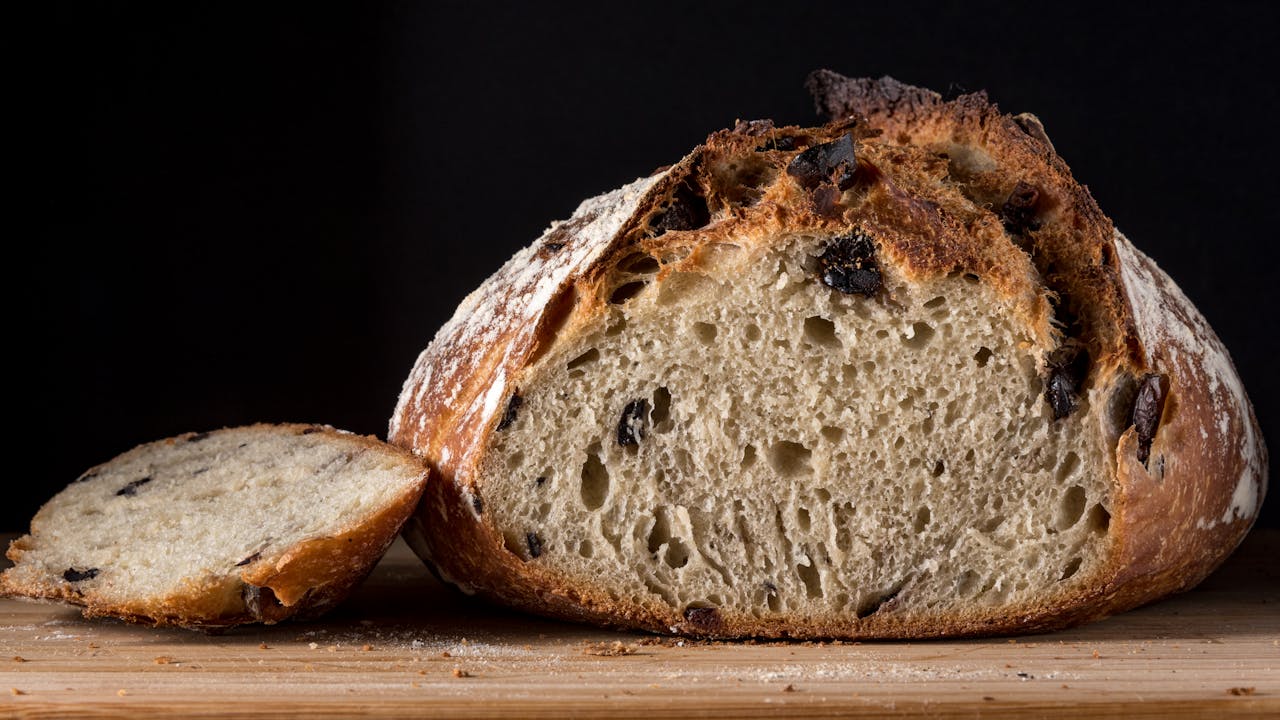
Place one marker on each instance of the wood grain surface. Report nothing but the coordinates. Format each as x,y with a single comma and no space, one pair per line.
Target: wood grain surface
404,645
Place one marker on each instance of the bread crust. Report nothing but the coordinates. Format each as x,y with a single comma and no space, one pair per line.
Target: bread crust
1167,531
303,580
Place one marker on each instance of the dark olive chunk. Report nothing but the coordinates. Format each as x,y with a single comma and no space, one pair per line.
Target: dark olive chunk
833,162
687,211
1147,408
1068,367
535,544
509,416
249,559
848,265
632,423
74,575
132,488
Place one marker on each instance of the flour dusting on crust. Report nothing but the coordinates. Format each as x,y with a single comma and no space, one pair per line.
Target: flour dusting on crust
1167,321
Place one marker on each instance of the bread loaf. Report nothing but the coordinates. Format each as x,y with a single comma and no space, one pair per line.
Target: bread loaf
206,530
896,376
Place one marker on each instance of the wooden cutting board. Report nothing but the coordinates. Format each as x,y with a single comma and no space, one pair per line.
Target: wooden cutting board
404,645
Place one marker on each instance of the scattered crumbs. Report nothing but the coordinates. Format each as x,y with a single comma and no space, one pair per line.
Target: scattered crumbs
607,649
1008,665
789,688
332,648
93,646
422,672
655,686
263,646
309,667
16,691
313,646
1242,690
366,647
1026,676
987,697
446,653
1096,655
460,673
122,692
163,660
19,658
1066,686
415,684
1012,641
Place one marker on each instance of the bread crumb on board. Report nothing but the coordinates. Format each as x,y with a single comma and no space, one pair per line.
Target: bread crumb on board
606,649
16,691
163,660
1242,690
460,673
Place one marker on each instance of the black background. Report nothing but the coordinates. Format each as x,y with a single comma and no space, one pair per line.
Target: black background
263,214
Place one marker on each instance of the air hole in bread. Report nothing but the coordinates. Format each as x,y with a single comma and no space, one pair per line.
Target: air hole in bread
1072,567
640,264
790,459
821,332
918,335
595,480
982,356
589,356
1072,508
1099,519
810,577
921,521
627,291
705,332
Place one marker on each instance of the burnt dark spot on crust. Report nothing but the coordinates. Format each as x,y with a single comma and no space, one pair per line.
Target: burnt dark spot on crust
535,544
1147,408
509,415
1019,211
197,437
306,431
249,559
703,619
848,265
1067,368
477,502
631,428
833,162
74,575
687,210
132,488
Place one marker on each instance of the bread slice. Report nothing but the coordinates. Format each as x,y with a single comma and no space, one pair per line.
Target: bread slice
892,377
249,524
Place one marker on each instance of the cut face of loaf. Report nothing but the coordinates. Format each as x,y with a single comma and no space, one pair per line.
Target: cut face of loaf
253,524
892,377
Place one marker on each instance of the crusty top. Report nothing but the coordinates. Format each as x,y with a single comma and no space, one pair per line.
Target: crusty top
942,187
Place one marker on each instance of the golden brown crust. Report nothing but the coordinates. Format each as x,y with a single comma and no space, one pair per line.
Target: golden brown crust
302,581
934,187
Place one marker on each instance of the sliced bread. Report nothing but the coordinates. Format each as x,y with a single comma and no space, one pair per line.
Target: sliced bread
213,529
